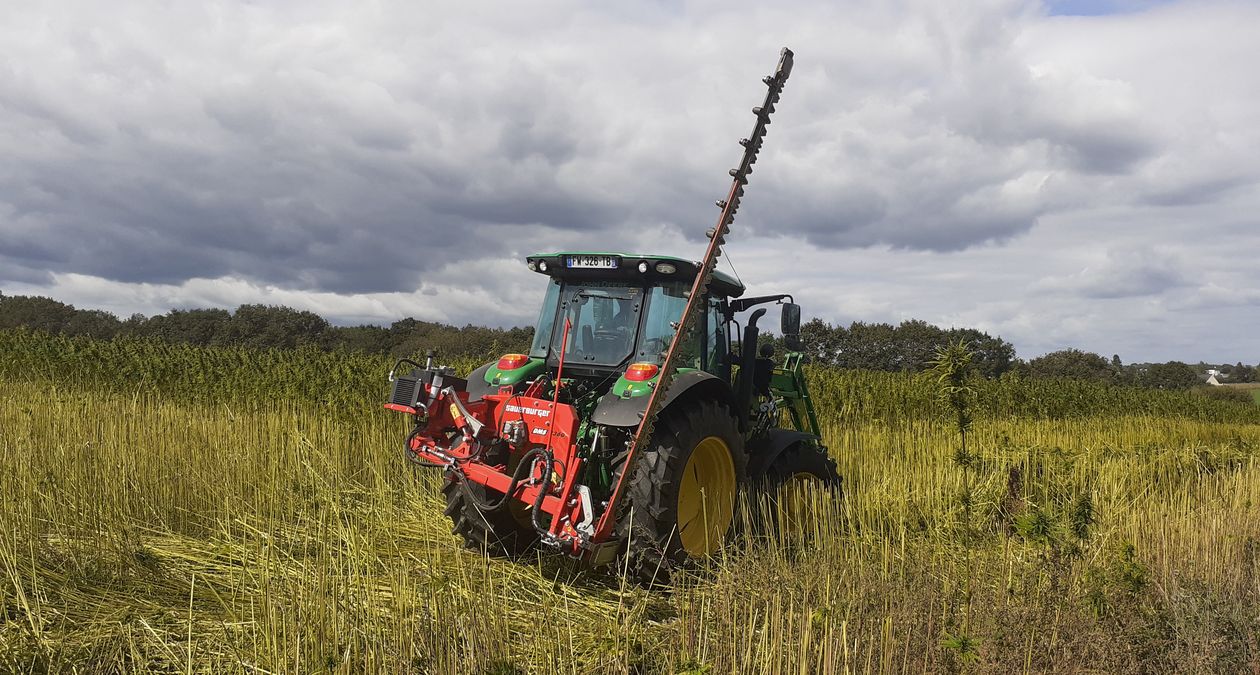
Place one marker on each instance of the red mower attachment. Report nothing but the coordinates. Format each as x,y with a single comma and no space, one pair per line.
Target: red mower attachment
519,446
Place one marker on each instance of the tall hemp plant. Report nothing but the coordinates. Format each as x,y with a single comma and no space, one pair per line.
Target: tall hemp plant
951,366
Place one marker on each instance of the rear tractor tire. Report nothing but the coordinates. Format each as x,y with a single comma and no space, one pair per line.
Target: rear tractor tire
502,532
681,494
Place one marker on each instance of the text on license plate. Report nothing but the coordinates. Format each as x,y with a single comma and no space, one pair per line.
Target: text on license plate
592,262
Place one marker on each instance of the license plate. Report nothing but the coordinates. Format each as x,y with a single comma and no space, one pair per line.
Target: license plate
592,262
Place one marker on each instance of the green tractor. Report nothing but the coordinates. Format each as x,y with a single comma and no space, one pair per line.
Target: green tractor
642,408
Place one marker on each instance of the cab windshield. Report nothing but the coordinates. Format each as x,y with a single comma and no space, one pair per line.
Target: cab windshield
603,318
546,319
666,303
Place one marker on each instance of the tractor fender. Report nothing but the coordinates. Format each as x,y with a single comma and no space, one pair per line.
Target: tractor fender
763,451
477,385
615,411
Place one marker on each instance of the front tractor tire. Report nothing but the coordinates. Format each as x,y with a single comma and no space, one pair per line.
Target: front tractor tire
793,482
681,493
801,464
500,532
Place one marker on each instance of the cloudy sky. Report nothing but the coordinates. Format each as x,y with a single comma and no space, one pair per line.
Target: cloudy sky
1061,173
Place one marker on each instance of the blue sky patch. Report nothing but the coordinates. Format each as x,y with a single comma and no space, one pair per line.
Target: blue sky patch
1100,7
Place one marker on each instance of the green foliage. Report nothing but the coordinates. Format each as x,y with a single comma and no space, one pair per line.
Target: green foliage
1075,364
1172,375
1241,374
908,347
1082,515
355,381
693,667
264,327
1036,526
48,315
1224,394
503,667
965,648
338,381
950,365
1126,571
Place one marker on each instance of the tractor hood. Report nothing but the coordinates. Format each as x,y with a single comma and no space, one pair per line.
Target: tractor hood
610,266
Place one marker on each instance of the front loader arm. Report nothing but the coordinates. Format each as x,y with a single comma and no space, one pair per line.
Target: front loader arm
788,386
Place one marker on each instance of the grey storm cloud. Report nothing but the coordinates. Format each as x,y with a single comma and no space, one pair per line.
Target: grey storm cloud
295,146
373,160
279,165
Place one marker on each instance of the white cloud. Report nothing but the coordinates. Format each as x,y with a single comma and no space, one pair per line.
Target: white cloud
447,301
1123,274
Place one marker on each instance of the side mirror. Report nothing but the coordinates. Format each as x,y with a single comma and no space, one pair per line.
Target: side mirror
790,325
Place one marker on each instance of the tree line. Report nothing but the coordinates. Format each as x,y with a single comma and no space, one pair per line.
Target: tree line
906,347
262,326
1169,375
910,345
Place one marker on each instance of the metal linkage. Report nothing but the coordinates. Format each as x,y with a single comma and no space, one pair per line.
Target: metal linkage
717,237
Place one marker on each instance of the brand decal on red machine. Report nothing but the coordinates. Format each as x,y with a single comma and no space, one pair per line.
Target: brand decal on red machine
537,412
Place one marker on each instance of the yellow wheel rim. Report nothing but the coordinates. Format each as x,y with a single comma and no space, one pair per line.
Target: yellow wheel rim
795,504
706,497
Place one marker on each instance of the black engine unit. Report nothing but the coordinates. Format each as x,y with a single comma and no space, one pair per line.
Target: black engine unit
410,390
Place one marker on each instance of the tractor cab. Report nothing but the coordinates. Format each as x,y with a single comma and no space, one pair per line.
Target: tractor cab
612,310
616,314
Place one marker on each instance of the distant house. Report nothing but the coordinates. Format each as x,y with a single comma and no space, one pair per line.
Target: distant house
1214,377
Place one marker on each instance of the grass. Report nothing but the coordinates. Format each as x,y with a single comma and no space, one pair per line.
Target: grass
142,530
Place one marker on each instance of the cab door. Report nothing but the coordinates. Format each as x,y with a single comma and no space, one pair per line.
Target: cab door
715,344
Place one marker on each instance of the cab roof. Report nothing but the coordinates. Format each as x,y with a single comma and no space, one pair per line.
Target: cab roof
614,265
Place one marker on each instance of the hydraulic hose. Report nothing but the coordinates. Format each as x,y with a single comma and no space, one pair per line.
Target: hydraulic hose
522,469
411,455
535,518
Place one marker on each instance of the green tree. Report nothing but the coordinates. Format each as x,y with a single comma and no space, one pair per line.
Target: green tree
193,326
869,346
990,356
365,339
35,313
822,342
915,345
269,326
1242,374
1170,375
51,316
1072,363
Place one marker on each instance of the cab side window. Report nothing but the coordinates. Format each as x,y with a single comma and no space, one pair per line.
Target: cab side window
714,337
